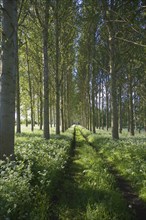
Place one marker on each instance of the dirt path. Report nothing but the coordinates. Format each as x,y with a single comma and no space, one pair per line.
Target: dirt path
136,205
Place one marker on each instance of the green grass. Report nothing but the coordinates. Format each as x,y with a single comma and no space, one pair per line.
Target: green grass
128,155
89,192
84,188
28,183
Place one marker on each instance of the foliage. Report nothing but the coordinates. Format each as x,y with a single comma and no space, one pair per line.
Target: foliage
28,183
90,193
127,155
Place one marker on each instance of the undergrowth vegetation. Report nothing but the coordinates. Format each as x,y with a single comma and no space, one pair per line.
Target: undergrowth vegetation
28,183
128,155
78,178
94,194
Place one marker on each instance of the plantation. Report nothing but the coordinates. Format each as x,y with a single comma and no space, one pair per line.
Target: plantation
68,177
72,110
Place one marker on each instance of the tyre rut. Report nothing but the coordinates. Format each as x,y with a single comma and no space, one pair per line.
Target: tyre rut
136,205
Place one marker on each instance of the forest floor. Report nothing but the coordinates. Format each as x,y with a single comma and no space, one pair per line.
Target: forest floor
84,195
136,204
77,175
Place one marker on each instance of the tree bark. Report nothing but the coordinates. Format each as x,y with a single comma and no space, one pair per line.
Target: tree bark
30,88
112,69
8,79
99,101
93,82
120,109
17,91
57,74
46,74
102,105
107,105
115,133
62,108
41,110
131,106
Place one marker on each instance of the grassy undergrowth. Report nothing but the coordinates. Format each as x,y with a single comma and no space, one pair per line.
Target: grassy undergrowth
89,191
128,155
28,183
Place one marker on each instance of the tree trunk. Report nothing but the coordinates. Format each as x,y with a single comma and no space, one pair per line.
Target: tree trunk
62,109
102,105
17,91
30,88
144,117
131,106
107,108
115,133
57,74
46,74
96,109
41,111
99,115
26,118
8,79
120,109
93,84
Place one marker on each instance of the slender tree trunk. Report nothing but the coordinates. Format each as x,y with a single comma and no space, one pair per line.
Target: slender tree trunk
102,106
115,133
107,109
62,109
26,118
51,117
17,91
90,113
57,74
46,73
93,84
8,79
96,110
41,111
120,109
41,103
99,115
93,108
38,111
65,106
30,88
131,106
144,117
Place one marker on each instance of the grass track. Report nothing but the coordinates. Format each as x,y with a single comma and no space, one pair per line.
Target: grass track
88,191
125,185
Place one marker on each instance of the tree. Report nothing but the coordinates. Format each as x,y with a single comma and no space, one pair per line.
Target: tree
43,21
8,78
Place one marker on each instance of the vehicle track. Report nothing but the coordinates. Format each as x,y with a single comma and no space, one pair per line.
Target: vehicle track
136,205
53,213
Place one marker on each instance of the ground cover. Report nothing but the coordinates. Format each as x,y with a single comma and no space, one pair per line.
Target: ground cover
88,190
125,159
67,177
27,184
128,155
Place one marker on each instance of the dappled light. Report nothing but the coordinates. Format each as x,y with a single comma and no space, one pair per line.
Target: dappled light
72,110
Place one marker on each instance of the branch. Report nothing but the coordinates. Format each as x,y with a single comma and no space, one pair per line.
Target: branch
38,15
129,41
20,11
